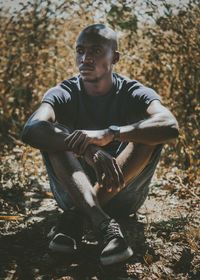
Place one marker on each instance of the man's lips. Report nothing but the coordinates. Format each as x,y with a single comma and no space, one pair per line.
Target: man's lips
86,69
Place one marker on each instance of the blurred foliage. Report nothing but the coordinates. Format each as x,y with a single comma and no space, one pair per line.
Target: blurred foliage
162,51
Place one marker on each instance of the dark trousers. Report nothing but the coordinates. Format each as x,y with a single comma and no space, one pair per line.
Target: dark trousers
126,202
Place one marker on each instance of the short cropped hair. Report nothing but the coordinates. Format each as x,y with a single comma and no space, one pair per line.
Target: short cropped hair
103,32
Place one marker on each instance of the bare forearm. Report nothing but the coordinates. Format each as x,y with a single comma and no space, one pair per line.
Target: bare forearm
45,136
152,131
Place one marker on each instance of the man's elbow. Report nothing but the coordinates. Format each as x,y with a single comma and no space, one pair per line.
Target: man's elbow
173,129
26,134
29,131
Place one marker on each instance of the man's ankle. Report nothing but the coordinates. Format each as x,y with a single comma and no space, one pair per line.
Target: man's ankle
98,216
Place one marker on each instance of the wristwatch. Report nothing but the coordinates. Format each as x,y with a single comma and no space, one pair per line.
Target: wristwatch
115,130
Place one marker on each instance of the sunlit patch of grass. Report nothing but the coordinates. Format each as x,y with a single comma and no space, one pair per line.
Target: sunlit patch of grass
193,237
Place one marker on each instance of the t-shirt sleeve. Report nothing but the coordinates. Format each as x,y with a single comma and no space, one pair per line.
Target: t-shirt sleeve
56,96
142,96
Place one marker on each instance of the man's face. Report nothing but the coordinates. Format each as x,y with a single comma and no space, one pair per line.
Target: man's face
94,58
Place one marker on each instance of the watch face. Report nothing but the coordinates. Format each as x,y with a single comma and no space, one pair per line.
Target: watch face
114,128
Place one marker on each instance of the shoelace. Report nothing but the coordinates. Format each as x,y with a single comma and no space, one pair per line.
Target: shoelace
110,230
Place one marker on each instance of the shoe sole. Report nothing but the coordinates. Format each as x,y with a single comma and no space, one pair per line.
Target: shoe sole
57,248
117,258
62,248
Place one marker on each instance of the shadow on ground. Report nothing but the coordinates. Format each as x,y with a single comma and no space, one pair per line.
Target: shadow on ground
24,255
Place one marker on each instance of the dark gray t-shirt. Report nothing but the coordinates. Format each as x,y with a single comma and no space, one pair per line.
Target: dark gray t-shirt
126,103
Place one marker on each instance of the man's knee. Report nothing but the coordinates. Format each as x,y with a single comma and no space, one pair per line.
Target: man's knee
64,164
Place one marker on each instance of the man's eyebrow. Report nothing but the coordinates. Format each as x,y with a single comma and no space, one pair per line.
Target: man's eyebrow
79,46
98,46
91,45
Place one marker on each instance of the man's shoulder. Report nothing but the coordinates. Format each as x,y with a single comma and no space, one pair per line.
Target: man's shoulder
124,83
64,88
136,90
71,84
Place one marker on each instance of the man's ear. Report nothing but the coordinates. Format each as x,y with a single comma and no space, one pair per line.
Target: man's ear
116,57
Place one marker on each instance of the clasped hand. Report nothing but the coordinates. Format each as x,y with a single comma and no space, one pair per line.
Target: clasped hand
108,172
79,140
86,143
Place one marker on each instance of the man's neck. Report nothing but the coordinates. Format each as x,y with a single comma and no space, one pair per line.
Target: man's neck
98,88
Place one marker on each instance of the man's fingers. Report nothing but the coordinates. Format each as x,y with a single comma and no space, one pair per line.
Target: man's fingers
109,172
83,146
77,142
98,170
115,176
105,174
120,174
109,189
71,139
111,177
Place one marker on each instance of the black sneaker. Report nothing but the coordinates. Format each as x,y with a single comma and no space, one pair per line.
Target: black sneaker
115,248
67,234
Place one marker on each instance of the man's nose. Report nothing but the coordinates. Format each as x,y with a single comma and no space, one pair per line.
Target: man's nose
88,58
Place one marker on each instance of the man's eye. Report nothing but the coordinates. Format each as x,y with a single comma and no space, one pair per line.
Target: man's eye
97,51
80,51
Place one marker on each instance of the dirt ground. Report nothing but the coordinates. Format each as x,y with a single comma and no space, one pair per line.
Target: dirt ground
164,234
